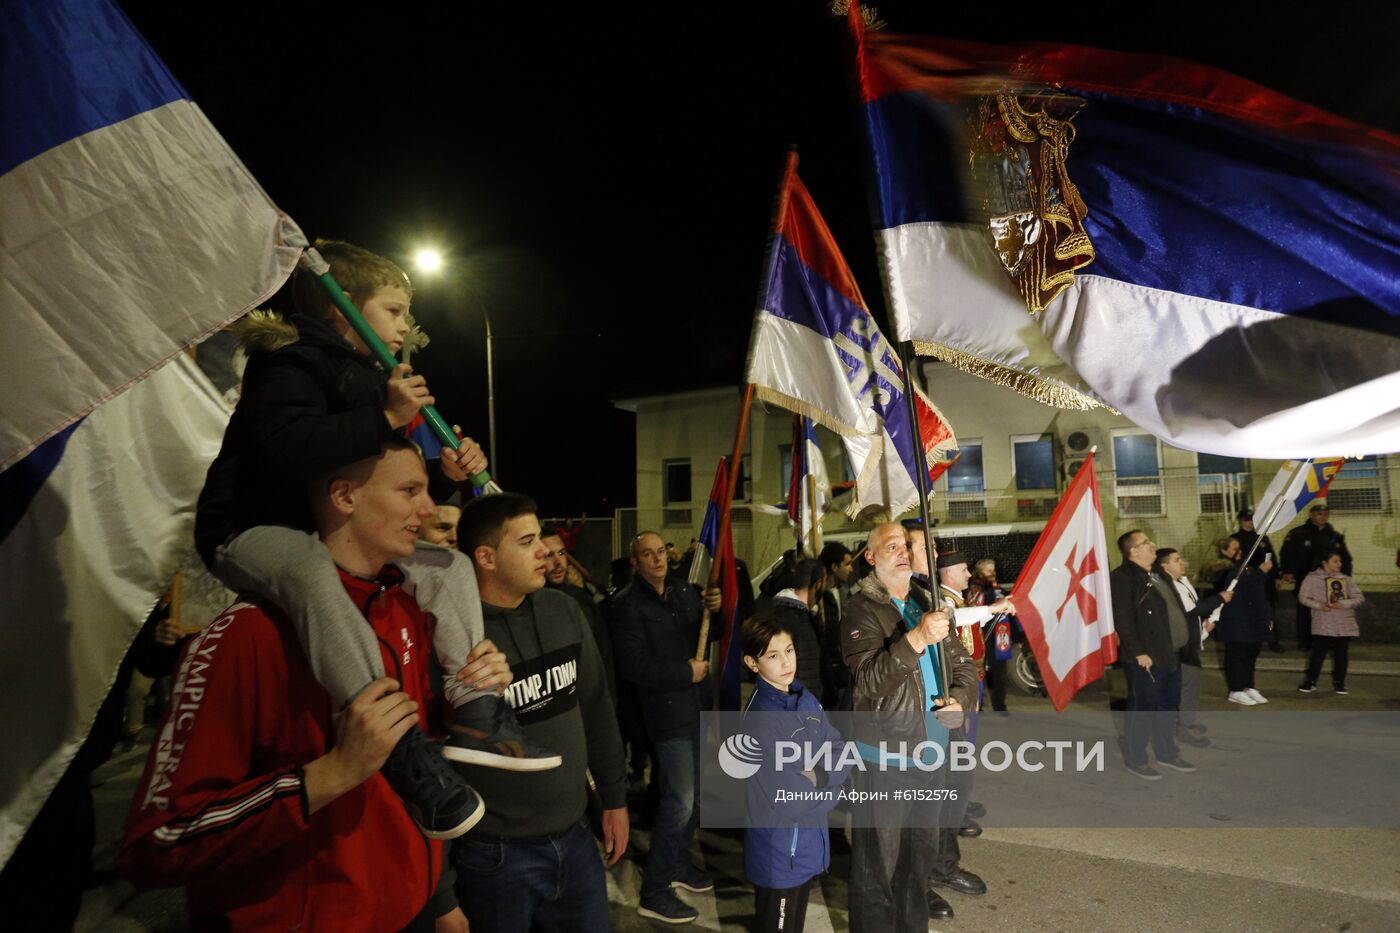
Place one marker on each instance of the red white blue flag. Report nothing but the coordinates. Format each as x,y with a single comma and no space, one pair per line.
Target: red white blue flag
710,548
817,351
1217,261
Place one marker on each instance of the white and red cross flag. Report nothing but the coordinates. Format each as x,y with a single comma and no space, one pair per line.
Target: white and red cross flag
1062,597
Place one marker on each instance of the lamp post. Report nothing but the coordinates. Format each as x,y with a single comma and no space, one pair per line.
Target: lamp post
430,262
490,396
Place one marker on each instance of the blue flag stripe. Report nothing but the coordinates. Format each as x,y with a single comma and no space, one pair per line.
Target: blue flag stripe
108,73
22,482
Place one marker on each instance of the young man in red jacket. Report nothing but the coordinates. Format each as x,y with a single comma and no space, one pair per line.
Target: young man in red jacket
267,806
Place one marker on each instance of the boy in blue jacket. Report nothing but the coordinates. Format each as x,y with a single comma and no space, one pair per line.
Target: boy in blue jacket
786,844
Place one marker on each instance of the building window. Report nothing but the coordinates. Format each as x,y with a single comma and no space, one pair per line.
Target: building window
1137,468
1224,484
1135,457
675,482
1214,464
1033,459
784,471
965,476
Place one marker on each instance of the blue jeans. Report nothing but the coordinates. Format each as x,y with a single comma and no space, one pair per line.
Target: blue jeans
678,776
552,882
1153,699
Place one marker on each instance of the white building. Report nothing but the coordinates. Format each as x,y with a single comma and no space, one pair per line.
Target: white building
1017,456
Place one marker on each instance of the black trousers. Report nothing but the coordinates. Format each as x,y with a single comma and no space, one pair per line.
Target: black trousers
780,910
1321,644
996,680
1239,664
896,851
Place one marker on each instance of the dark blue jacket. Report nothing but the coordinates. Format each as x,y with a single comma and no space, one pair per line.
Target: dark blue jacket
654,637
1248,617
787,844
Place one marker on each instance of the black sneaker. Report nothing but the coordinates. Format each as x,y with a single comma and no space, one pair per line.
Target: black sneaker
1307,686
666,907
1178,764
484,732
692,879
1339,689
1146,772
437,798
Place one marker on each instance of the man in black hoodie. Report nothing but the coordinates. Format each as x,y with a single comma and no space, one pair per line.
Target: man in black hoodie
531,862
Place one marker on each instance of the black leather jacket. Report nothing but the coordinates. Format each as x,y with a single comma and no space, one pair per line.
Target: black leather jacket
885,667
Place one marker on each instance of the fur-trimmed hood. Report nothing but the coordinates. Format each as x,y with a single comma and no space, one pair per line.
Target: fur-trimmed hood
264,331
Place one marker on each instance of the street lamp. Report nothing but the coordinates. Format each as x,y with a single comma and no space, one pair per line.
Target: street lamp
430,262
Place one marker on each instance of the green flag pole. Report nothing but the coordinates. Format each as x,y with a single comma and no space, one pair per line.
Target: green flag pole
311,260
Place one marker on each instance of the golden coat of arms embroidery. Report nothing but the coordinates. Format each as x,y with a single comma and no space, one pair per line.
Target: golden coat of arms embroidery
1034,214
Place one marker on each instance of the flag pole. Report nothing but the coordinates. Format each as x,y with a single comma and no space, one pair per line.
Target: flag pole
732,480
906,354
1268,520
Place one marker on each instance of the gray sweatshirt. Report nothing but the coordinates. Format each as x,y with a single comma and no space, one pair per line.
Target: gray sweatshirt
560,697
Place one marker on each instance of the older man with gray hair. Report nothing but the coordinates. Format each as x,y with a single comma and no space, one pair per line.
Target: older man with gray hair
891,638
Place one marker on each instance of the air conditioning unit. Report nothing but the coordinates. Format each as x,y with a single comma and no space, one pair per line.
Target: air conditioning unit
1075,445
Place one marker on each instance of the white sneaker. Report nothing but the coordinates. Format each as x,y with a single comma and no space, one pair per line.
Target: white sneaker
1256,696
1242,698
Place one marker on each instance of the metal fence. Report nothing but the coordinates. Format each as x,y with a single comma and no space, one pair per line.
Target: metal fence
1187,510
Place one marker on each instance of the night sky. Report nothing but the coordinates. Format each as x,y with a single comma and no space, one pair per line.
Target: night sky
602,175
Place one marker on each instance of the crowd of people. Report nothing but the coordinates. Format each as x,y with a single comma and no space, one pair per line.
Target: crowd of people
1162,621
421,713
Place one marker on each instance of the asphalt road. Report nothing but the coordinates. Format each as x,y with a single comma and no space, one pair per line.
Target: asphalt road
1046,879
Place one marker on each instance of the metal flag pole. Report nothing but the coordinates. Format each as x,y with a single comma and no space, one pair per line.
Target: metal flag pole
906,354
312,261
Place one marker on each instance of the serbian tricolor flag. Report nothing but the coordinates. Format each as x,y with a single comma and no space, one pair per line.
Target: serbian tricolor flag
817,351
1297,485
1218,262
709,549
1062,596
129,232
809,492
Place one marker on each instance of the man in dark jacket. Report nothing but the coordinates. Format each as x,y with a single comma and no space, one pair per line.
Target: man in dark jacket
1152,631
556,578
793,605
1303,548
656,627
891,642
836,677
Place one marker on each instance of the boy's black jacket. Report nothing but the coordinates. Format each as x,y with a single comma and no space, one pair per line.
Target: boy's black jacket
311,404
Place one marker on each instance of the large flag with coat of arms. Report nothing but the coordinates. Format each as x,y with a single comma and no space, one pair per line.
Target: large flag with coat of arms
1218,262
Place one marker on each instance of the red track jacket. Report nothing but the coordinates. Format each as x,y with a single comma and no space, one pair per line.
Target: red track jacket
222,810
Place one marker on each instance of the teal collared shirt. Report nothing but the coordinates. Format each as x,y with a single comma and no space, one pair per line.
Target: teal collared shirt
911,612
